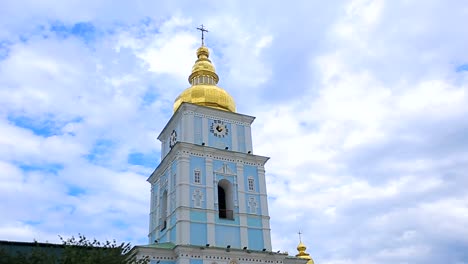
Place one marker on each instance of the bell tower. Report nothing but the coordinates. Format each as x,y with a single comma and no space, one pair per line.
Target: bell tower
209,187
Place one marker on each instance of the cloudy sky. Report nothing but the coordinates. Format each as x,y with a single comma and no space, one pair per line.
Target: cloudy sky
362,106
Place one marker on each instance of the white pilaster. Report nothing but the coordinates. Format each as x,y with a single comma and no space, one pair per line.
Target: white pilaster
266,233
164,149
205,130
184,181
234,137
244,235
248,139
241,183
210,201
209,183
263,191
189,128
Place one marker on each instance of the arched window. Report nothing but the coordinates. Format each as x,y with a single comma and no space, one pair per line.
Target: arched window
163,211
225,200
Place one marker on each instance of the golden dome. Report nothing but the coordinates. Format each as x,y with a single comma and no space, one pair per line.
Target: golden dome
301,247
302,254
204,90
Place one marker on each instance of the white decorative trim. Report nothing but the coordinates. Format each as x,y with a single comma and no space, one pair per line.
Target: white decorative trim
253,205
219,157
184,150
173,201
224,169
197,198
216,117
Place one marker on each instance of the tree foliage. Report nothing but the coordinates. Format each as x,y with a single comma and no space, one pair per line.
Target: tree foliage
78,250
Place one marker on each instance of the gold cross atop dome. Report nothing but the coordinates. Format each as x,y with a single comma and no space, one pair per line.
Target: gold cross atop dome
204,90
203,30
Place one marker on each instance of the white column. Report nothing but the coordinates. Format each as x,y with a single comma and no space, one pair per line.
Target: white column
210,194
244,235
205,130
266,234
248,139
241,187
183,200
234,137
151,215
164,150
263,191
188,128
184,181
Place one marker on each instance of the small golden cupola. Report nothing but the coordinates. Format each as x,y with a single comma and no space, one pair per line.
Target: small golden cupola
204,90
302,254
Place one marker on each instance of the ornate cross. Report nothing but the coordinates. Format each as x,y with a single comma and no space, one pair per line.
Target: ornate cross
252,205
197,198
203,30
299,233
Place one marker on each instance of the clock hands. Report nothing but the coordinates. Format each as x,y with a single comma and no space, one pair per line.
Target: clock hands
219,129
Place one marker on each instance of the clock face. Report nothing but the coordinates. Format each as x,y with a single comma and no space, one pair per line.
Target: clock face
219,128
173,138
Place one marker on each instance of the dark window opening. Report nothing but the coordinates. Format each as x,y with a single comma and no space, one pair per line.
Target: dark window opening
224,200
221,202
163,211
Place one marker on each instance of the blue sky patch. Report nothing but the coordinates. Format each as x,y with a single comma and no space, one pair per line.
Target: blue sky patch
4,49
150,96
44,127
120,224
32,223
75,191
49,168
84,30
101,149
70,209
463,67
142,159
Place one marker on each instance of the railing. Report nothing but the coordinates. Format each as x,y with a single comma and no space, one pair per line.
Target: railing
226,214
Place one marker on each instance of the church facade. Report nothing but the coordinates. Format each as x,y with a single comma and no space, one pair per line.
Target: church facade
208,194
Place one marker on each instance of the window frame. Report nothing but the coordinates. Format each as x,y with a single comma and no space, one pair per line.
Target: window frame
197,176
251,184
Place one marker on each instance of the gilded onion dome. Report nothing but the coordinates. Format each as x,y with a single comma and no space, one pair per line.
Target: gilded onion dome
302,254
204,90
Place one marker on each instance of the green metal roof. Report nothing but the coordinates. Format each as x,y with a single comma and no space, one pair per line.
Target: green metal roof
167,245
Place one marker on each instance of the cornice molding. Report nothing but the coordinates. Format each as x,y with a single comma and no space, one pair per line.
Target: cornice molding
204,111
184,150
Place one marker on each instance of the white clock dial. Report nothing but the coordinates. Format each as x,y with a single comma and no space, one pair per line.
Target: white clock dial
173,138
219,129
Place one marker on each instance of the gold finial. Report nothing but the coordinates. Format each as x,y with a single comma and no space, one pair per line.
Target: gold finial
203,30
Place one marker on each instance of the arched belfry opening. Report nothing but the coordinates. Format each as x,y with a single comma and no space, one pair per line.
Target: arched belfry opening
164,210
225,200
